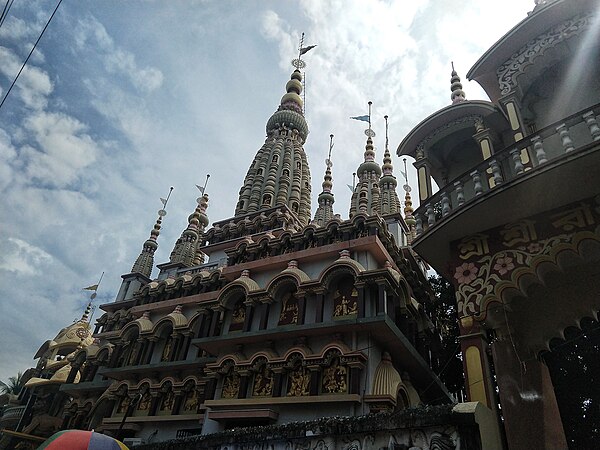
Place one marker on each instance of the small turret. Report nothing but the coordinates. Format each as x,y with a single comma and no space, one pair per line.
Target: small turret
389,203
458,95
325,210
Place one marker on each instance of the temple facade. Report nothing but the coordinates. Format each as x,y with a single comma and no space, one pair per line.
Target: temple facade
310,332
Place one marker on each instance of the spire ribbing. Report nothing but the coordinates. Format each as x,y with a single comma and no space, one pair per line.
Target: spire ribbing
185,248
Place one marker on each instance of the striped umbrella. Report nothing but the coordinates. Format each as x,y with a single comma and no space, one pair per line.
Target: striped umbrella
81,440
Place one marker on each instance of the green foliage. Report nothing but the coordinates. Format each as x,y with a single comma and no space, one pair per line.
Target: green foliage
575,370
442,311
13,386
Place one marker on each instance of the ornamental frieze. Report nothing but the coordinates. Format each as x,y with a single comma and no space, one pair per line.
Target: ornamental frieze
508,72
486,264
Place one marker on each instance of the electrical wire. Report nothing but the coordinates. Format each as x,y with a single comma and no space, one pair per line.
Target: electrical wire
30,53
5,11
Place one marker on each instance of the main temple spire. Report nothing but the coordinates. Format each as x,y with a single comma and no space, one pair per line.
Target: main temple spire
279,174
389,203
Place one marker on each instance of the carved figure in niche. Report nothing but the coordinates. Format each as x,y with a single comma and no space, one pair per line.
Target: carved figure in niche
238,316
191,401
166,353
345,303
231,385
144,404
123,405
299,382
289,310
334,378
263,383
167,401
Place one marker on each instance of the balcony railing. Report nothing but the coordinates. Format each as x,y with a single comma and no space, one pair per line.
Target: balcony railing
11,416
551,143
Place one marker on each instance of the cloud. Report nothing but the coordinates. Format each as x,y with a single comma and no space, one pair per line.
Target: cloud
90,34
33,85
23,258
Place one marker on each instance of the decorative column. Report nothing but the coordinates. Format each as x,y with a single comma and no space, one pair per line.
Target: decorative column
513,110
484,139
423,174
314,379
244,379
248,316
320,297
478,378
149,350
360,288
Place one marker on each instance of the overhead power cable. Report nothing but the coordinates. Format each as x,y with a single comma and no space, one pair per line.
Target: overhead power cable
30,53
5,11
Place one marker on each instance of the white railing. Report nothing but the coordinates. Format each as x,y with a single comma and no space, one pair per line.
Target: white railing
549,144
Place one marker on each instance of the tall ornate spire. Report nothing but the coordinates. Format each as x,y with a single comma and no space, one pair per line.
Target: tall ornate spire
458,95
409,219
279,174
325,210
365,198
388,200
184,251
145,262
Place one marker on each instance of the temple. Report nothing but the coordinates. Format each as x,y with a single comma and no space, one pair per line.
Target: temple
309,331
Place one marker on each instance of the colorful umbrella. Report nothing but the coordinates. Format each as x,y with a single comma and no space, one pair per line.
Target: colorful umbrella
81,440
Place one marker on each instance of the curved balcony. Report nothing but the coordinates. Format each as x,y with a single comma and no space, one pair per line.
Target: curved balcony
554,166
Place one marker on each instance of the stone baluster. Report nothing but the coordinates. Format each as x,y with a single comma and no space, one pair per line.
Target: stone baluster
477,182
538,147
430,215
445,204
460,195
496,172
516,156
419,224
592,123
567,143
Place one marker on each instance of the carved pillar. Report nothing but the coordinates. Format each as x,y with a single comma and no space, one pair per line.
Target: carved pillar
264,315
179,396
360,287
314,379
215,319
423,174
149,350
177,338
478,378
484,139
320,297
301,296
187,340
381,299
154,403
277,381
248,318
354,379
201,326
513,110
141,343
244,378
531,415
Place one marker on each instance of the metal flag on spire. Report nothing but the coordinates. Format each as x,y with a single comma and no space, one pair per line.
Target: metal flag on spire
298,63
367,118
203,188
328,161
94,287
386,132
163,212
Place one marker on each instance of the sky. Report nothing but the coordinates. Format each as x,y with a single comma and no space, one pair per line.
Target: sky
122,100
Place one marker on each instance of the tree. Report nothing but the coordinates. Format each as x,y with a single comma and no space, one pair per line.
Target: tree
13,386
442,311
574,366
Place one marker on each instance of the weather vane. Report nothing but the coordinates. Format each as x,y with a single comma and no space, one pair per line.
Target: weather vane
163,212
406,186
328,161
202,189
369,132
298,63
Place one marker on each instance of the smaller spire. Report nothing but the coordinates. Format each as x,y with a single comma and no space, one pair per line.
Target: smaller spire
145,261
185,248
409,219
325,210
458,95
389,203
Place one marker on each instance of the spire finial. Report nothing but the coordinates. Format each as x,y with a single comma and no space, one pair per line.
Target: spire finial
408,209
458,95
387,167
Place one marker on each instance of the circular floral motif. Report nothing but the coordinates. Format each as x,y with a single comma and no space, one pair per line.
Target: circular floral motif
466,273
504,265
534,247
